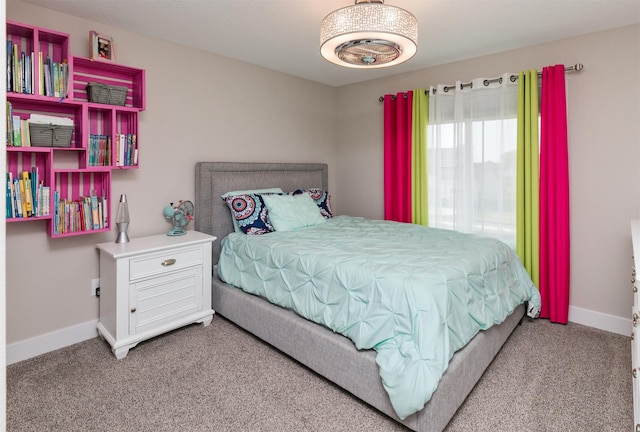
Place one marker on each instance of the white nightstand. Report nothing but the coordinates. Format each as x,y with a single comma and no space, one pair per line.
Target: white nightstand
635,321
152,285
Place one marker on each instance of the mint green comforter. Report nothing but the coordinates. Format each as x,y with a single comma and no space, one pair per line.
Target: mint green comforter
414,294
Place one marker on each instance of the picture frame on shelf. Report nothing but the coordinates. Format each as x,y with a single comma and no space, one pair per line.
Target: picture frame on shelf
102,47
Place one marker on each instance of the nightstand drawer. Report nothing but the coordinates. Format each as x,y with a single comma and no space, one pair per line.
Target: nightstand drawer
160,263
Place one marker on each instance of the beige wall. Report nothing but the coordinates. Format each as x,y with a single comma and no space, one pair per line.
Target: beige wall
205,107
604,150
199,107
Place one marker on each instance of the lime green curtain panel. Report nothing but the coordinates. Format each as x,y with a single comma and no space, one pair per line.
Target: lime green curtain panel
528,175
420,210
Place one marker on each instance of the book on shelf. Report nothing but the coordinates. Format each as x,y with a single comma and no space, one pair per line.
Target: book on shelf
86,214
9,124
9,68
17,127
15,68
134,146
84,223
66,212
25,133
21,64
107,151
56,79
64,79
46,200
23,198
25,191
47,80
40,74
18,200
35,191
32,78
15,72
105,212
28,195
123,145
93,144
56,212
100,213
27,73
9,192
95,214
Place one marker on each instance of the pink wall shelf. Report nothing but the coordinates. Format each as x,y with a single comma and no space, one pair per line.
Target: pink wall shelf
104,138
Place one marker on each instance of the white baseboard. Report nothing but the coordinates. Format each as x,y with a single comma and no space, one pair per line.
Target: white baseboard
599,320
38,345
45,343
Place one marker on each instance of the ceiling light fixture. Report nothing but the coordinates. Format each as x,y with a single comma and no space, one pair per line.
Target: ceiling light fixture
368,34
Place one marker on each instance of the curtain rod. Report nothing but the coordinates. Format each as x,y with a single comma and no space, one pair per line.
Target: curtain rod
575,68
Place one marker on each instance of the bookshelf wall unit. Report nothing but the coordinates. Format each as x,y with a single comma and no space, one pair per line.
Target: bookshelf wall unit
105,137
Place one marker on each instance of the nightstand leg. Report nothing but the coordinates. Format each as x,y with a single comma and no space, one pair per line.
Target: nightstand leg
121,353
205,322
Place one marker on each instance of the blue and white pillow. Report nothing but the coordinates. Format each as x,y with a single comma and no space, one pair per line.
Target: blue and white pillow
236,228
250,213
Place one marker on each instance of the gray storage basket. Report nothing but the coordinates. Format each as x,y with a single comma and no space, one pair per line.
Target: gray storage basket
106,94
50,135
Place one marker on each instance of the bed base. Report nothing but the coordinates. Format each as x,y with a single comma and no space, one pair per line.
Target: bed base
336,358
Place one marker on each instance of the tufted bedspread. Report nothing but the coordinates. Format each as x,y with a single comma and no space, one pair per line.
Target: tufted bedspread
414,294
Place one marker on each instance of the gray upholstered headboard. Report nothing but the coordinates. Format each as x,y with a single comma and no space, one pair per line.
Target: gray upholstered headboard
215,178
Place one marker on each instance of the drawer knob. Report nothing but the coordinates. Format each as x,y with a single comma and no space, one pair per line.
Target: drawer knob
168,262
133,310
635,288
635,372
635,319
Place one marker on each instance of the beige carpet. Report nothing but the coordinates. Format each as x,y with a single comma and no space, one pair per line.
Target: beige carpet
547,377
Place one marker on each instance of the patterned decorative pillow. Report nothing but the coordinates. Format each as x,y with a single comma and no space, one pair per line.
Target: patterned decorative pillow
236,228
250,213
321,198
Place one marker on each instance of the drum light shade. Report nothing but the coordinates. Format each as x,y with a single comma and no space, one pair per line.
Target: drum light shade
369,34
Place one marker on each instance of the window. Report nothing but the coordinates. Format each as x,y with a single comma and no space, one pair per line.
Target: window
471,154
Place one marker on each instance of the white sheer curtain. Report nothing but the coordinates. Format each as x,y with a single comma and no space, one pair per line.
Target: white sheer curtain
471,151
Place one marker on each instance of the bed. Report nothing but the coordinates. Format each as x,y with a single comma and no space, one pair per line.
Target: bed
328,353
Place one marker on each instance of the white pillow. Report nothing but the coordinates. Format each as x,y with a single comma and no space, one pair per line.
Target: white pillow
290,212
236,228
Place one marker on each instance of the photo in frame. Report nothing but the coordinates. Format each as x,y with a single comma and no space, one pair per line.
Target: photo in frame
102,47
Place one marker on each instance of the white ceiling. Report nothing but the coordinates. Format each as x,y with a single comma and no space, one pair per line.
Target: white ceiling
283,35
